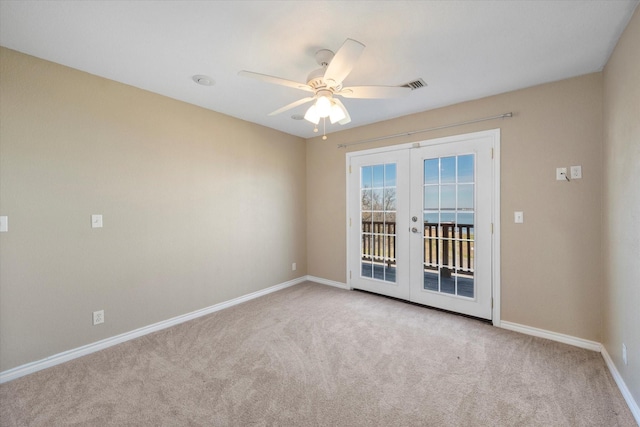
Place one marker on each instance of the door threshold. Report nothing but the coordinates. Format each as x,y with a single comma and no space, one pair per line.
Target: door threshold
480,319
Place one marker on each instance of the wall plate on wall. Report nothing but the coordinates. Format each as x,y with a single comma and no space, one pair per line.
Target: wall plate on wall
561,174
96,221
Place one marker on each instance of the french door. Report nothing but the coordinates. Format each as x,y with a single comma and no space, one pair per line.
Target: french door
421,222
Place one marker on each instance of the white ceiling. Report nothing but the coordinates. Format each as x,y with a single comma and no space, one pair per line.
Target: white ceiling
462,49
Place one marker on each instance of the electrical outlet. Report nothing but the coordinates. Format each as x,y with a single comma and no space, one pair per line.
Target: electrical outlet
576,172
624,353
98,317
294,267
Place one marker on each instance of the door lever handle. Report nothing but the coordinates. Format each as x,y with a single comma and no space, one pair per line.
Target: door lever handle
415,230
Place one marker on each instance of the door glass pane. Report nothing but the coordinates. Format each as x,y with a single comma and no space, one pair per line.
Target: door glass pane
465,218
389,199
448,197
465,169
431,256
378,217
377,199
367,195
447,217
448,221
378,176
365,249
390,175
431,171
431,218
390,223
447,170
465,196
366,177
431,197
367,217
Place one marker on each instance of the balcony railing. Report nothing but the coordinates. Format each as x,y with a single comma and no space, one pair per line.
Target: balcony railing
453,241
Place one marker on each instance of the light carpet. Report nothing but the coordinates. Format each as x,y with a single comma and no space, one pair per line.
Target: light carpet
312,355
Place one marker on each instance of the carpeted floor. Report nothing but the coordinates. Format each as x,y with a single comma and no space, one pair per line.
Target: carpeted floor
312,355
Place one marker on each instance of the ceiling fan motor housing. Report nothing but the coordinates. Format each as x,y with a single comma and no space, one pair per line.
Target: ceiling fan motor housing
315,78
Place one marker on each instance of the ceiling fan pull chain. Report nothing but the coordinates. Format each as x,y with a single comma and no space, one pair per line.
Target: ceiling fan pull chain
324,128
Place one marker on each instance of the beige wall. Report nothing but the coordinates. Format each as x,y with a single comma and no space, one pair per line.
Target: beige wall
621,217
198,208
552,265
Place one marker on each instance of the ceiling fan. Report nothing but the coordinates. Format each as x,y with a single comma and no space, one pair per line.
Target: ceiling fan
325,83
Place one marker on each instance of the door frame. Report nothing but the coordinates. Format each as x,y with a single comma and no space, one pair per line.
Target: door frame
495,206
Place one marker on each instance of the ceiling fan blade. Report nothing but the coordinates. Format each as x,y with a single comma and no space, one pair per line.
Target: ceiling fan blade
275,80
343,61
373,92
347,117
292,105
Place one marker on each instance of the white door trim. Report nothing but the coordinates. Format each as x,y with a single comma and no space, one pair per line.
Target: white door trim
495,134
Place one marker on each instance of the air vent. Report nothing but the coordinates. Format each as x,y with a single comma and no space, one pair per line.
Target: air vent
416,84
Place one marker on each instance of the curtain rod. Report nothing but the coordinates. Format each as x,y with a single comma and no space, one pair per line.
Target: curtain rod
500,116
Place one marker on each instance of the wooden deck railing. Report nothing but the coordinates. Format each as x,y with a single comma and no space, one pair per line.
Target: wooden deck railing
379,242
379,245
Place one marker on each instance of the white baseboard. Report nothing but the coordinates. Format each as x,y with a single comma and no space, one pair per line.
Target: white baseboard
633,405
586,344
328,282
29,368
59,358
553,336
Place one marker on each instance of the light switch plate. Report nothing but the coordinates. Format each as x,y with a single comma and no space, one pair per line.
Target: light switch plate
518,217
4,224
96,221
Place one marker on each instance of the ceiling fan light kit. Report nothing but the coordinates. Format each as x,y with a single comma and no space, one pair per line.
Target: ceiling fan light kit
336,114
326,83
323,103
335,111
312,115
